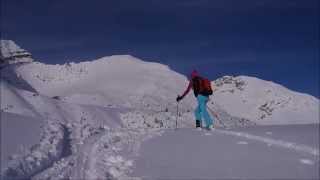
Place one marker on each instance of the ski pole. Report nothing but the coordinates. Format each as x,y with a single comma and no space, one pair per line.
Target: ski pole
219,120
177,115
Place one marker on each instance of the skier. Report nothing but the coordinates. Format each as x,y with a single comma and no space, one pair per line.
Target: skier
202,89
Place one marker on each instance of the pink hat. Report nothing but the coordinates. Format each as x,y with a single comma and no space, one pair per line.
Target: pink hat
194,73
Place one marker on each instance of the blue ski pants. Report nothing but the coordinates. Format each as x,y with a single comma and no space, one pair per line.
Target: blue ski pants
201,110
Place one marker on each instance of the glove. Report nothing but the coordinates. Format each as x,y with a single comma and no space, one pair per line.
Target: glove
179,98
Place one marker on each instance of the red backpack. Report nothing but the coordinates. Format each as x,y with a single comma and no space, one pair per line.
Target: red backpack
202,86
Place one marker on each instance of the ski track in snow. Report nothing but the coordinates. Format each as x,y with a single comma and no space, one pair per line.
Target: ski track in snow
273,142
306,161
100,157
207,134
242,142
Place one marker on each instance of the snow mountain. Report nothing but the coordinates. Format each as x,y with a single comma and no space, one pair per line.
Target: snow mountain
89,119
264,102
126,80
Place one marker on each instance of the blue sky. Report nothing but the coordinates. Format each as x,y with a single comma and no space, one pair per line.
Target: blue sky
275,40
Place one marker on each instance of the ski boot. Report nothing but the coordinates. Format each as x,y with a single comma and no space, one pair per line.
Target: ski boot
210,127
198,124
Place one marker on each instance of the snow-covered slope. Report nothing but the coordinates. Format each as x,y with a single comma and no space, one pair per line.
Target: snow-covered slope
130,82
109,106
115,80
67,130
264,102
75,104
12,101
264,152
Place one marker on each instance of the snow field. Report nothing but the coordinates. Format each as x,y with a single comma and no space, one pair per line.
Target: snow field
221,154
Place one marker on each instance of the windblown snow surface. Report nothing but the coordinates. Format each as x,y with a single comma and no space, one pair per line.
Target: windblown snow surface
115,118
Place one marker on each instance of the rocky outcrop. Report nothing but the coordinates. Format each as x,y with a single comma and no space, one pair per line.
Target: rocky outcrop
12,53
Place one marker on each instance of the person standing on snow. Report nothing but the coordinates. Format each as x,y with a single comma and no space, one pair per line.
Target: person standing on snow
201,89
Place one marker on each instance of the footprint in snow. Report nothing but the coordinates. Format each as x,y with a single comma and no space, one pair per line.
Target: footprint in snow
306,161
242,142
